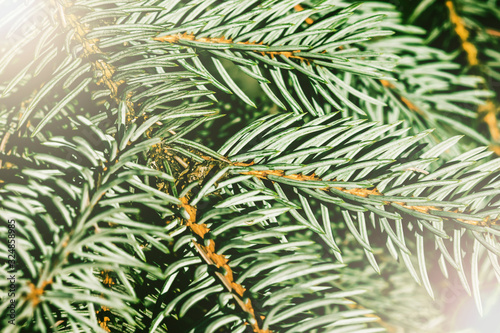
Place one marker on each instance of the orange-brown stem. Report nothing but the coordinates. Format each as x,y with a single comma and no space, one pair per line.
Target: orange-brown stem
360,192
104,69
409,104
35,293
493,32
211,257
463,34
490,118
222,40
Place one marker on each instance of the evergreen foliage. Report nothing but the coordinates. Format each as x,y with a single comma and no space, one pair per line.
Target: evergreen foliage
248,166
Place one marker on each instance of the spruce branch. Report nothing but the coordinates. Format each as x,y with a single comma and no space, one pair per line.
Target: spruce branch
470,27
376,198
129,222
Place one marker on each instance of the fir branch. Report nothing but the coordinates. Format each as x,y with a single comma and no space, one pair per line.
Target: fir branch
129,222
359,192
489,108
